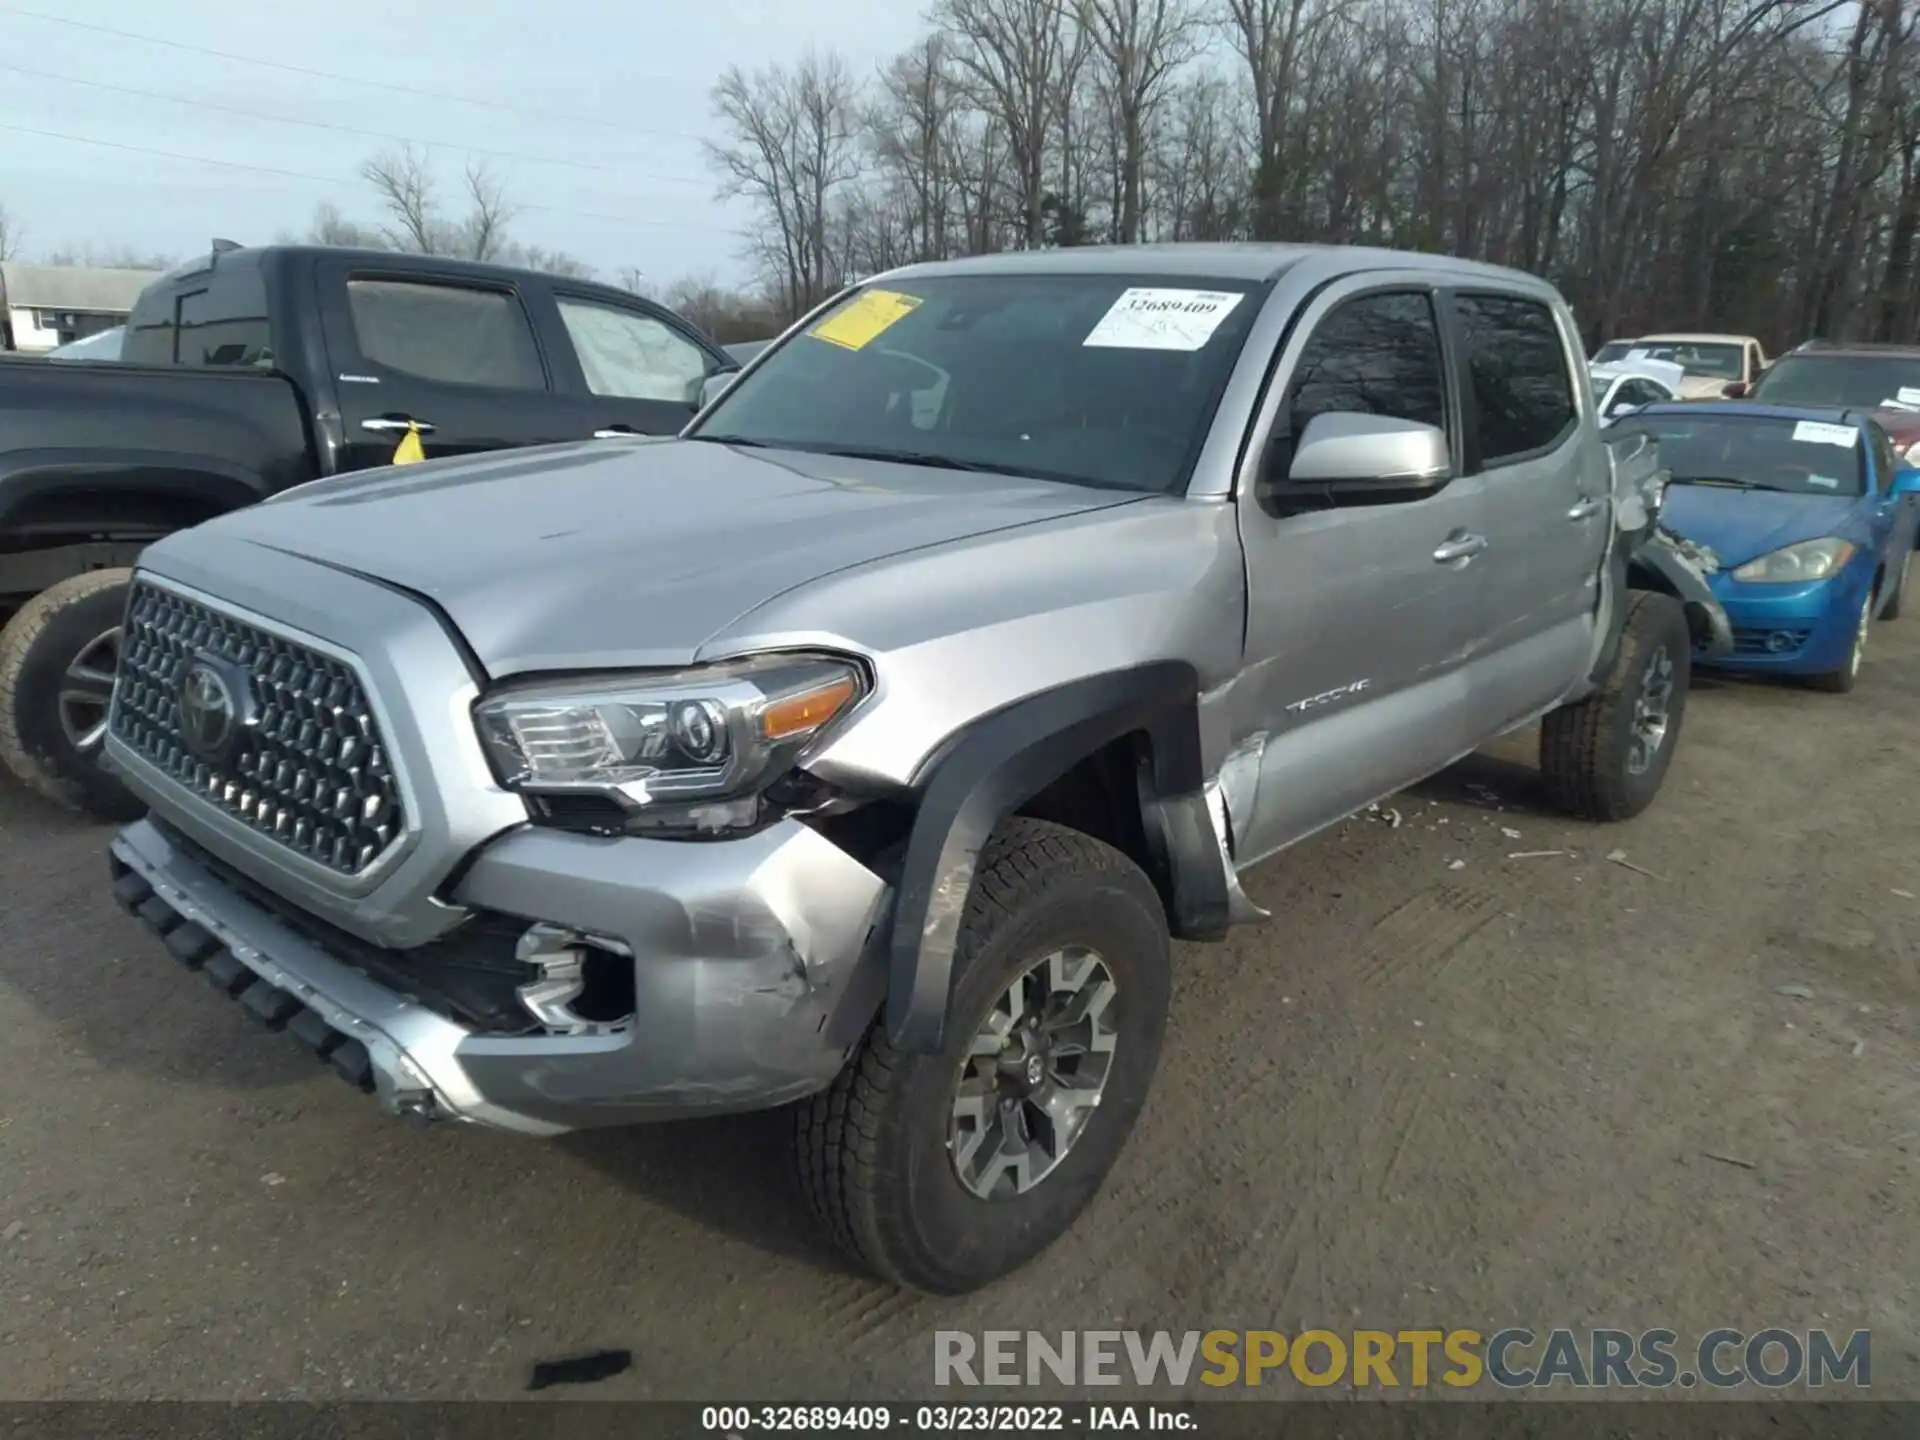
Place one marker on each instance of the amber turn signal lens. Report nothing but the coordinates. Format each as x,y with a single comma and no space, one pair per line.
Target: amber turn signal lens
798,714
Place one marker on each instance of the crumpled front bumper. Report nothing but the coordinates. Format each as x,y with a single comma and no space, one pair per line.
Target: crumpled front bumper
754,961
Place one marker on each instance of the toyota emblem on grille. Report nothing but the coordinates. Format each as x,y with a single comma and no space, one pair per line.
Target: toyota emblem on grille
210,715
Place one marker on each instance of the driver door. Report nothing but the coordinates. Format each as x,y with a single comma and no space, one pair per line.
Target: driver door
1361,618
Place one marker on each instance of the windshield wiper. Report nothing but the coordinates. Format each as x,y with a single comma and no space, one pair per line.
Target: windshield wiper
912,457
1727,482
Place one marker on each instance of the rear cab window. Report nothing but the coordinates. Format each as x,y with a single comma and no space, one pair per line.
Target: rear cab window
210,320
1518,377
449,332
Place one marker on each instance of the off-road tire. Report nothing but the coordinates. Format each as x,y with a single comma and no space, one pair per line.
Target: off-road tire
1584,747
871,1149
37,645
1898,599
1841,679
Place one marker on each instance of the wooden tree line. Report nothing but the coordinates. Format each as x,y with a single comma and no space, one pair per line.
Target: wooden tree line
1744,165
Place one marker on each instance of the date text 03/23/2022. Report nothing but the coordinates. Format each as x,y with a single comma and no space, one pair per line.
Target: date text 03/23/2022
743,1420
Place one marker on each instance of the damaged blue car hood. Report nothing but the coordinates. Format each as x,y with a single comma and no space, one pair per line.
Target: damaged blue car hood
1739,525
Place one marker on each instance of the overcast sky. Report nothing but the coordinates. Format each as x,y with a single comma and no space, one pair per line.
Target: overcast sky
614,163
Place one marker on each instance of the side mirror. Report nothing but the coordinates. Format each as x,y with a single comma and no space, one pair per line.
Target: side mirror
715,385
1736,391
1348,459
1906,480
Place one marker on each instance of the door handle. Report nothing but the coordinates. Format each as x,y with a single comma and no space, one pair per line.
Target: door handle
1459,547
1585,510
394,424
615,432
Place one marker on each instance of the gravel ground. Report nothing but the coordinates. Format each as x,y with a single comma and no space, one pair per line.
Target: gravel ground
1477,1094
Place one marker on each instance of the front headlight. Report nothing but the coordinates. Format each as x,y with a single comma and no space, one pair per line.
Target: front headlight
688,738
1809,560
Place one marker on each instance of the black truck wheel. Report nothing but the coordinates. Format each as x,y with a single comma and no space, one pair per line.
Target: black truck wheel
942,1172
57,660
1603,758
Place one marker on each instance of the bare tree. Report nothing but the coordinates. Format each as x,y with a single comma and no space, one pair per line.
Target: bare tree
330,227
12,235
1012,55
790,150
1141,46
483,232
405,184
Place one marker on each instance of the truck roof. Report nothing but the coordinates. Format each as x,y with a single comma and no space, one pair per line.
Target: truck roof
1203,260
259,257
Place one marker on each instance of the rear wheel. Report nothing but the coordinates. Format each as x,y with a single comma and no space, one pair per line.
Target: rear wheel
58,656
1605,757
943,1172
1843,677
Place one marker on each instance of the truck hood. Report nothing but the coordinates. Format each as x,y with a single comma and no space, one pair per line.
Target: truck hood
1739,525
618,553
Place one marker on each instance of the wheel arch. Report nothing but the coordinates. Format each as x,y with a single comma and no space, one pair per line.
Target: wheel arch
1117,752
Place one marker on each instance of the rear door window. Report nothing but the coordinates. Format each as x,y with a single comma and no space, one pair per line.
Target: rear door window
1517,374
453,334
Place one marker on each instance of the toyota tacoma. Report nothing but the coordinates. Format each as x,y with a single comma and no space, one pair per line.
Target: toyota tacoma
861,749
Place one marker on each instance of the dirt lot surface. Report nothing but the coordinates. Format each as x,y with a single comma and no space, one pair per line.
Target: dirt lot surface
1478,1096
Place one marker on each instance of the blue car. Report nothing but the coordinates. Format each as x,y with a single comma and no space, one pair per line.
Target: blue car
1811,517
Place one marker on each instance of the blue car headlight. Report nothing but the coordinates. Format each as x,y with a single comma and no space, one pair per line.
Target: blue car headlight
1808,560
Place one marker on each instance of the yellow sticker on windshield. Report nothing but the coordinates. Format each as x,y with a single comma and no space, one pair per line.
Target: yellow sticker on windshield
861,322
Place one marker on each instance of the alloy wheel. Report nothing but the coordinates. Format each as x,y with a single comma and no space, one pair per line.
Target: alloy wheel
1034,1074
86,691
1652,713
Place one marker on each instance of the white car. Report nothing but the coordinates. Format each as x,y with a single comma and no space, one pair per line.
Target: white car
1625,385
1713,363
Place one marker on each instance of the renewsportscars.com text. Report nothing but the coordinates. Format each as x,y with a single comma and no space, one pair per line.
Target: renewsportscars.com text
1514,1358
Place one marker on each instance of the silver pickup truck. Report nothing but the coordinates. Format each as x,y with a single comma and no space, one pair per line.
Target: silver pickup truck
862,748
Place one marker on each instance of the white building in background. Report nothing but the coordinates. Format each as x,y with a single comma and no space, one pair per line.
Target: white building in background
42,306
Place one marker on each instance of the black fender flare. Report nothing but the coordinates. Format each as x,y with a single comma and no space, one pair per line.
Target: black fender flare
986,770
1655,566
209,480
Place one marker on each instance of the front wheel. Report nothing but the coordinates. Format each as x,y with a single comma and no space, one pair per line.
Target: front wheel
943,1172
58,656
1843,677
1604,757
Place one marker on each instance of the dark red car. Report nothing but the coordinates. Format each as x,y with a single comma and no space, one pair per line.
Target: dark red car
1882,378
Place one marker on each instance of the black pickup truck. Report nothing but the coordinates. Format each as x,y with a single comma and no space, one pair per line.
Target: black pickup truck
256,369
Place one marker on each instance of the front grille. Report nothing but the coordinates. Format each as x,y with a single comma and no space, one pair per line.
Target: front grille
306,764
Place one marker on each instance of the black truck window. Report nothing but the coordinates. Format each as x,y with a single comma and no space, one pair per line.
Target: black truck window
149,337
225,323
455,334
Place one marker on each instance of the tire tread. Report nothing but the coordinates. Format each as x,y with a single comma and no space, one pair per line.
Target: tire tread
840,1132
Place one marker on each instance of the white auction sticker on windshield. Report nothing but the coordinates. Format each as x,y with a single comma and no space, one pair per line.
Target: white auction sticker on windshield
1825,482
1154,319
1815,432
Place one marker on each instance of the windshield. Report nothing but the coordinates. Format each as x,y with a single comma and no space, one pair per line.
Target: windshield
1599,389
1804,457
1710,362
1611,351
1866,382
1105,380
102,345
